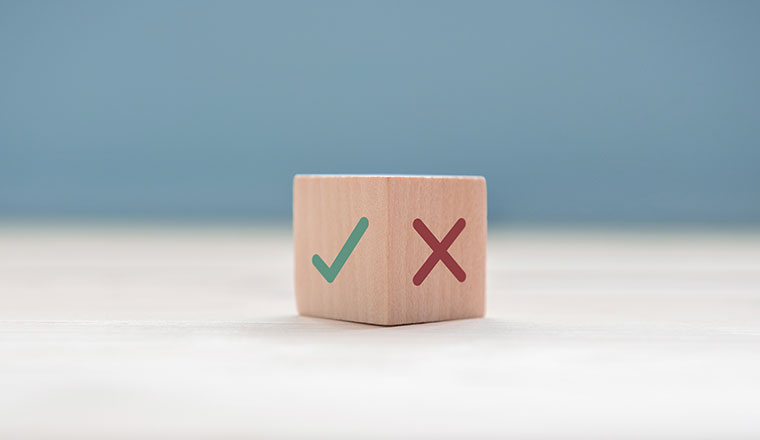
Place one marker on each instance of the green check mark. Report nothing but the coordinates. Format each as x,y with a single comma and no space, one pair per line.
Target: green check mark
330,272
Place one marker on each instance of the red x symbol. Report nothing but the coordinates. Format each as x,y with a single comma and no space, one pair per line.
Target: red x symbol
440,251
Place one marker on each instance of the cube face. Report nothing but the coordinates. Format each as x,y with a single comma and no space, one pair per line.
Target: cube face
325,212
376,270
439,203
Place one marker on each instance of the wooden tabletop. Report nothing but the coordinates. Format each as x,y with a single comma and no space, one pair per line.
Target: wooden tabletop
191,332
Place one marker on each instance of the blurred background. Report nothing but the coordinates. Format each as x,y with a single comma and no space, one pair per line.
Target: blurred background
147,152
575,112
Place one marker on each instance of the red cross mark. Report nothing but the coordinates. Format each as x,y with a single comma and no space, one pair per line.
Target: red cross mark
440,251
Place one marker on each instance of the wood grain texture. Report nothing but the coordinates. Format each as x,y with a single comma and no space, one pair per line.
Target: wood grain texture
325,211
439,202
375,285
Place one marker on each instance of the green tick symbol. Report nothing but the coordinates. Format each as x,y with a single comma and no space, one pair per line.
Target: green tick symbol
330,272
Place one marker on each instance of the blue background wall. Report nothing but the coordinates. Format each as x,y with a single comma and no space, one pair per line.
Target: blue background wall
574,111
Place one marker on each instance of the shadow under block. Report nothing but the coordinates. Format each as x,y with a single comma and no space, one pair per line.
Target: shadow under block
390,250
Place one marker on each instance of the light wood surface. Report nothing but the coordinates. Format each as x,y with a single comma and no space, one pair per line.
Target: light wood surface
185,333
325,211
376,283
439,203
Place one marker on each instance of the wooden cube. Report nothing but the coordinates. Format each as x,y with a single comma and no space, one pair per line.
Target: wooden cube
390,250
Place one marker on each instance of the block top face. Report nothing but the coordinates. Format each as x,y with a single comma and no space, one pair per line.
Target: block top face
390,176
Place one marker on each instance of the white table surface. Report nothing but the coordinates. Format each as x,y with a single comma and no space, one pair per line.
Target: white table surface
191,332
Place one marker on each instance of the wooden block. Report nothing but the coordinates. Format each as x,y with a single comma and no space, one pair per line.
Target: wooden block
390,250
